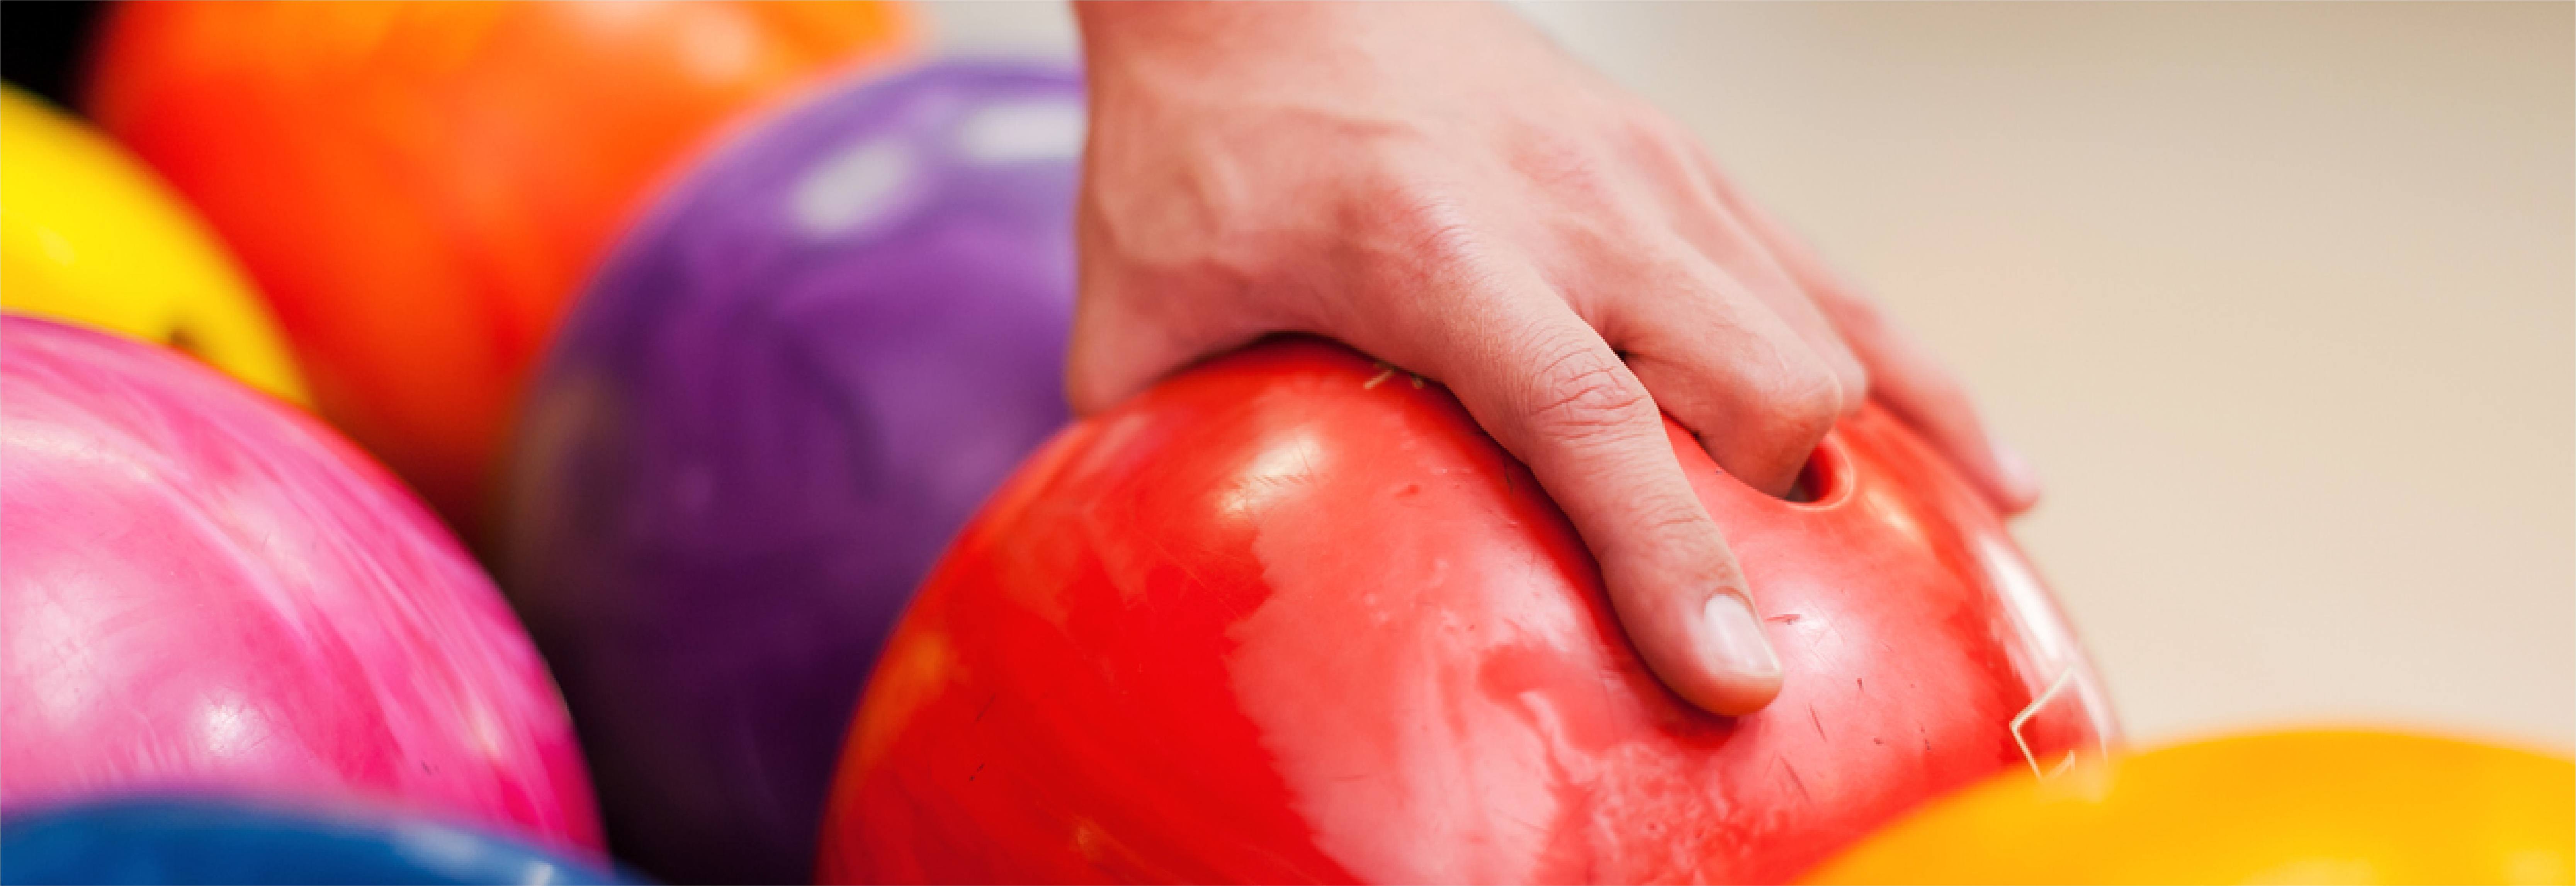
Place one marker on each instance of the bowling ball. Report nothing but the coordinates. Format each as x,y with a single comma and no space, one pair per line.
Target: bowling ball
90,236
2284,807
205,588
421,187
1290,617
783,394
141,840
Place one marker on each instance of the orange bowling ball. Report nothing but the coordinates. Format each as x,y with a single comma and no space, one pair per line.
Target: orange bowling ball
420,188
2325,806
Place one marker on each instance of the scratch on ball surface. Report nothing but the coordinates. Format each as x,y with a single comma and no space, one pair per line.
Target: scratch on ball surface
1795,781
1786,618
2033,710
1378,379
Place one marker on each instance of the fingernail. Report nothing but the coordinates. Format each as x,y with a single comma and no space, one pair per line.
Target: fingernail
1735,639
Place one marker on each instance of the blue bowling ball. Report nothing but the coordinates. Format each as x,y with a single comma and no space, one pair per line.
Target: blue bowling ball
208,840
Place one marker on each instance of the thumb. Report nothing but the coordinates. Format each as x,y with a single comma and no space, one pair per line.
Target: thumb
1116,351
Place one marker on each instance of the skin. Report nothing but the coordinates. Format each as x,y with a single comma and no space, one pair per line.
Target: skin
1438,185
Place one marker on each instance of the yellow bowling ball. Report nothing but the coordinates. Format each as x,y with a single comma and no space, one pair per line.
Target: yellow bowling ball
2290,807
88,235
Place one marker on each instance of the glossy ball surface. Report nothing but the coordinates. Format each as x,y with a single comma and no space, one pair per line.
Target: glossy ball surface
89,235
2285,807
419,188
206,589
148,840
1291,617
780,399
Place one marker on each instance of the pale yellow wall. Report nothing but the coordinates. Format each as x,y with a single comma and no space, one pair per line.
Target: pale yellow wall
2277,297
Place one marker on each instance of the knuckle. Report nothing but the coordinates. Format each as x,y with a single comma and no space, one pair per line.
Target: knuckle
1584,393
1664,144
1670,528
1800,403
1565,164
1424,235
1668,520
1855,383
1418,223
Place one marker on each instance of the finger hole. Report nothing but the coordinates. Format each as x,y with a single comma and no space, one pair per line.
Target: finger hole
1825,480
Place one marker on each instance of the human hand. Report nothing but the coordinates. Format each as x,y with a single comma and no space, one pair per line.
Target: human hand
1437,185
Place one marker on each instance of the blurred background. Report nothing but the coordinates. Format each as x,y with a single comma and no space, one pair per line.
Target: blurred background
699,328
2277,297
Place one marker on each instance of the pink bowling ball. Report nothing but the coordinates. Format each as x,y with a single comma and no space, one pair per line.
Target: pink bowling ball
205,589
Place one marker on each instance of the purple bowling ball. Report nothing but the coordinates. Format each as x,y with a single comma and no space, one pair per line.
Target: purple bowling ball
790,385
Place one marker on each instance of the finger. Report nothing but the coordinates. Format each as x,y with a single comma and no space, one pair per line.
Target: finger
1551,391
1757,273
1913,385
1116,351
1123,340
1703,217
1921,392
1729,367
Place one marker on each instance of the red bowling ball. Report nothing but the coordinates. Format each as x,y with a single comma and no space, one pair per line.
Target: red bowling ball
206,590
1291,617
